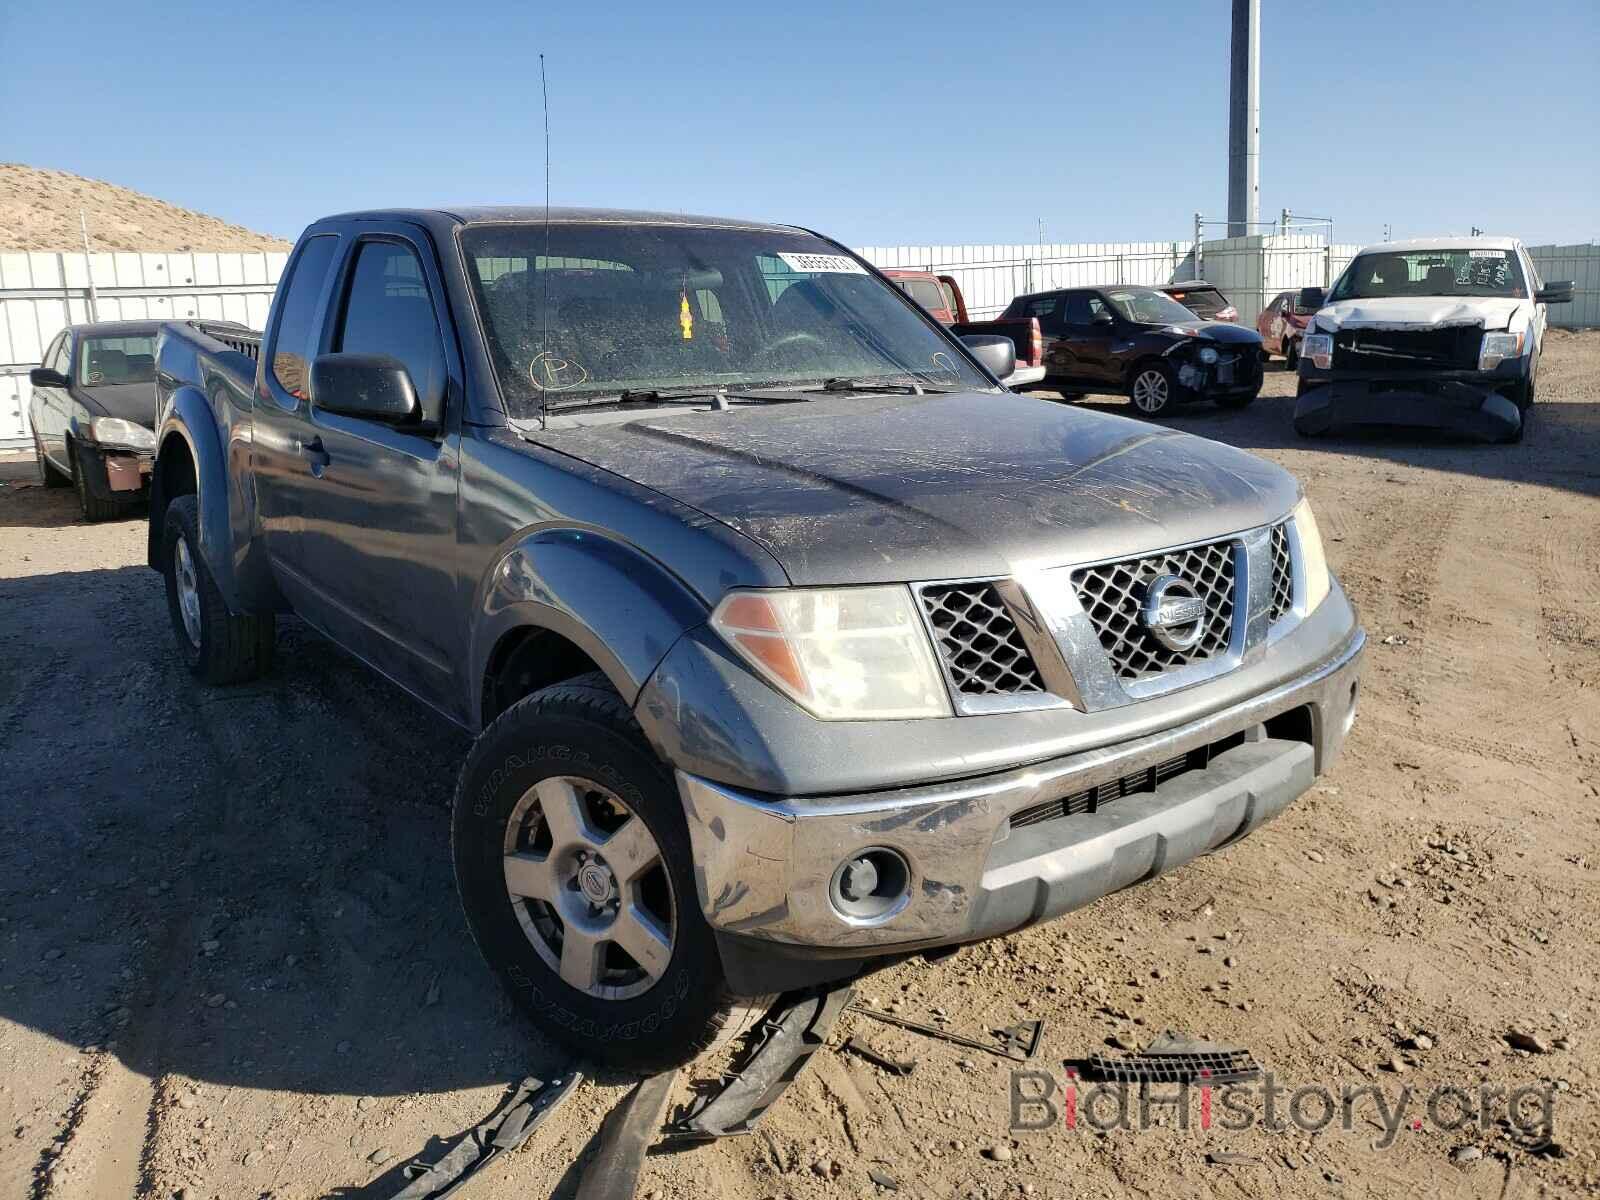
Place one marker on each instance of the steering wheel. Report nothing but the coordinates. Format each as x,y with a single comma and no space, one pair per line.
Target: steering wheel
789,340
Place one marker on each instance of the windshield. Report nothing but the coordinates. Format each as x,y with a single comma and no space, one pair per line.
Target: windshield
103,361
1148,306
614,307
1431,273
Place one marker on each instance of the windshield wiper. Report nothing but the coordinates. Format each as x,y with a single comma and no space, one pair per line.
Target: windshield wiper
846,383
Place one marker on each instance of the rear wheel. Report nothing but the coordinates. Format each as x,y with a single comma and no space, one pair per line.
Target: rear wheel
575,868
1154,389
216,645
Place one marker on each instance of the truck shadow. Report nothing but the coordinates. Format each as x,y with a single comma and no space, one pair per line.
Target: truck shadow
247,886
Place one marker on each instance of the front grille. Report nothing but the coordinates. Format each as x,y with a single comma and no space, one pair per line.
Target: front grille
1093,799
1282,574
1450,346
1112,594
978,640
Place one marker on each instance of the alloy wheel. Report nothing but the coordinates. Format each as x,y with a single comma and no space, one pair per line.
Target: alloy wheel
1150,391
587,882
188,590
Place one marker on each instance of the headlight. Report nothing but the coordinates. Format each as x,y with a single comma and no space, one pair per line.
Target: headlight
114,431
1497,347
1318,349
842,654
1207,354
1313,562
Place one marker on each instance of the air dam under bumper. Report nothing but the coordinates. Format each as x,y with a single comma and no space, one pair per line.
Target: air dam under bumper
1467,403
765,867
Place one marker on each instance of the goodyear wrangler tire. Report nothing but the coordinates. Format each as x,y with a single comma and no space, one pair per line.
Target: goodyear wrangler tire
574,866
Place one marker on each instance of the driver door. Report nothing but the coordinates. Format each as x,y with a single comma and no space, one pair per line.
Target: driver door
1088,336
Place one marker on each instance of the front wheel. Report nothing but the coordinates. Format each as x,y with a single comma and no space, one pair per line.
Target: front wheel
216,645
1154,390
94,507
575,868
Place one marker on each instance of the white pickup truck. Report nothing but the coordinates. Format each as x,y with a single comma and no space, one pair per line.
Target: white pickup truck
1439,332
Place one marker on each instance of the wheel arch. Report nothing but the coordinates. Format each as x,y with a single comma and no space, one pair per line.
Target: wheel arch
560,602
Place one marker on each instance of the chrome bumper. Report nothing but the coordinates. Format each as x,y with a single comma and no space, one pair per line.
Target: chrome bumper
764,865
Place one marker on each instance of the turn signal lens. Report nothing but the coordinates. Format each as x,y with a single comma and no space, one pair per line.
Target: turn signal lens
1313,561
842,654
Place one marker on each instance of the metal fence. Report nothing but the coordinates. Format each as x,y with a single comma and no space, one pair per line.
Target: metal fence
40,294
990,277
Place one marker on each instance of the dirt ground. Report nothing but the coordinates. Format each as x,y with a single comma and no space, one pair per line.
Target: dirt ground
232,963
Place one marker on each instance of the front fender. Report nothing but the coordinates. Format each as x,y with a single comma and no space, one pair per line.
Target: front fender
188,423
621,607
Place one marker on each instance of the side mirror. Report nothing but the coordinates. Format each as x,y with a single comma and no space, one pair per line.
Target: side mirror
1309,301
1102,318
375,387
1555,293
997,354
45,377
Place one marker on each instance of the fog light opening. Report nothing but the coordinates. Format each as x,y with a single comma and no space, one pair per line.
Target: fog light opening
871,885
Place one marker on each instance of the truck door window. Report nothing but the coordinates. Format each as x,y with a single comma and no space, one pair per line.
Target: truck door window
387,310
294,344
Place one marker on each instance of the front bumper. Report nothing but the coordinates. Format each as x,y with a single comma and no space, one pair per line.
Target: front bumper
1234,374
1472,403
764,866
111,473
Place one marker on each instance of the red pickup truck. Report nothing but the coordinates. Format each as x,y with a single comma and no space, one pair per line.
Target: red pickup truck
941,296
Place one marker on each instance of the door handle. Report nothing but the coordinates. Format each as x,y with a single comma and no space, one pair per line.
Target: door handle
317,454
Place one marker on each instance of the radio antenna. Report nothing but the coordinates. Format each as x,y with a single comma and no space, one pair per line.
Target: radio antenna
544,304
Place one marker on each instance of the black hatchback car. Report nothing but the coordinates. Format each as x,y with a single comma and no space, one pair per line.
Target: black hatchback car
1139,342
92,411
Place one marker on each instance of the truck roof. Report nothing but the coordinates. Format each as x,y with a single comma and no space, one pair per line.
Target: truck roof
535,213
1461,242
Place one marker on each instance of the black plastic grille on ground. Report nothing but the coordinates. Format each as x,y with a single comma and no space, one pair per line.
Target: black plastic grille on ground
1282,574
1112,593
979,641
1227,1066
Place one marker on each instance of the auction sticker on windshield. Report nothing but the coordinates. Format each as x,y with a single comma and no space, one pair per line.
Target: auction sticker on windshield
822,264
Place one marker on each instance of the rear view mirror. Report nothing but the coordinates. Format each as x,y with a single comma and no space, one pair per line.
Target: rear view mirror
997,354
45,377
1555,293
372,386
1309,300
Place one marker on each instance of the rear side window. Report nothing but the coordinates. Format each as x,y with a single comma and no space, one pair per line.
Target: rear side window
387,310
295,343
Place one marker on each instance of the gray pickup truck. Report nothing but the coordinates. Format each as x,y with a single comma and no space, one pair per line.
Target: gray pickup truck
793,643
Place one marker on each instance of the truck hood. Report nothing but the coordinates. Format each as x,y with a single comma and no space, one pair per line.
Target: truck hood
1410,312
903,488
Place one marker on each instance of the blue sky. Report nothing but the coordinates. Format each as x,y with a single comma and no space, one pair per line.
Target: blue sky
879,123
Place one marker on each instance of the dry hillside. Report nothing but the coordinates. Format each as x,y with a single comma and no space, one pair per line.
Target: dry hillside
39,211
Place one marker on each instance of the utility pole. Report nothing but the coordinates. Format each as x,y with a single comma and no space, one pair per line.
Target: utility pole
1244,120
88,265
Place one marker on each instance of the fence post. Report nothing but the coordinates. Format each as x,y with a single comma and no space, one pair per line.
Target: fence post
1199,259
